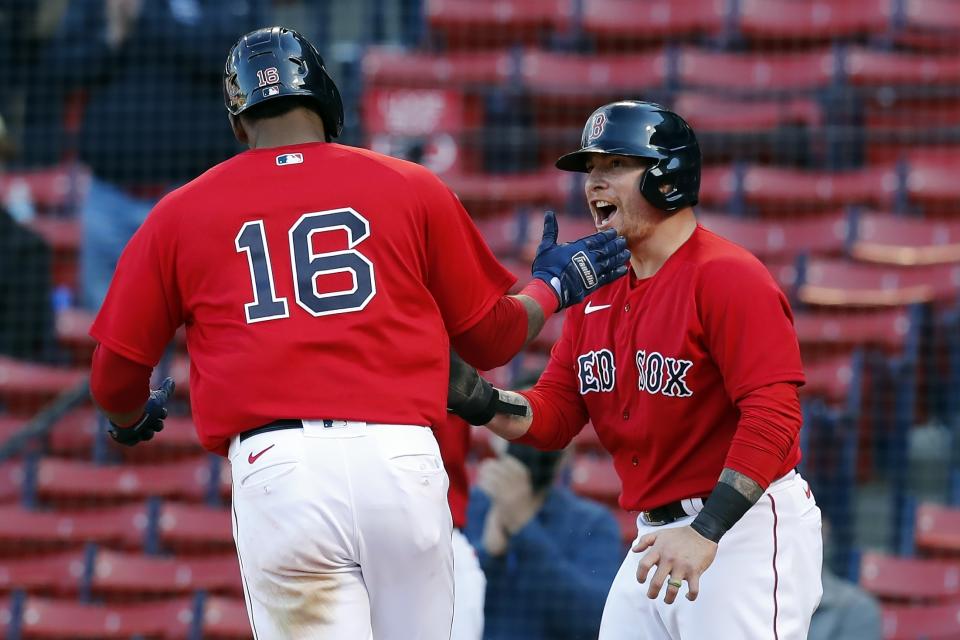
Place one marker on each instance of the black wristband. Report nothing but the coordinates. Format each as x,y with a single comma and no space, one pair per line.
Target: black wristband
723,509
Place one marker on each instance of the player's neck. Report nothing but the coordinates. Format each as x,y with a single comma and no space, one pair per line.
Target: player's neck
287,129
652,252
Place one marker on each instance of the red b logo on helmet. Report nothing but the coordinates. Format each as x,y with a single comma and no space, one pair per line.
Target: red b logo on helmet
598,121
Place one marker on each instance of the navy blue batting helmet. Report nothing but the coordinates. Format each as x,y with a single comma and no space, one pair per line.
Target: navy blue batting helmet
645,130
274,63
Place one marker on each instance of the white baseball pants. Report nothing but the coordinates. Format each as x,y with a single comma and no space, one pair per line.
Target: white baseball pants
763,585
344,532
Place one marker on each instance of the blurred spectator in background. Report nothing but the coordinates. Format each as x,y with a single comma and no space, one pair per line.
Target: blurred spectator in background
26,312
153,118
846,612
549,555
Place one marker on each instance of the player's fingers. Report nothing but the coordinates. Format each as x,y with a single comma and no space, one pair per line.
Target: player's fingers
674,582
550,228
646,563
167,387
645,542
693,587
659,577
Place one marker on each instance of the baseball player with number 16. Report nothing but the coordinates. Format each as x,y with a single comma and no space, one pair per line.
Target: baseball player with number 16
319,284
688,369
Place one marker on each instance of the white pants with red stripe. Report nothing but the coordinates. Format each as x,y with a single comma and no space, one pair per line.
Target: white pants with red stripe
763,585
344,532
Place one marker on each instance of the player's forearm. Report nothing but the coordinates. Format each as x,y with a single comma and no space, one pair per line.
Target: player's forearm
511,427
535,317
733,496
119,386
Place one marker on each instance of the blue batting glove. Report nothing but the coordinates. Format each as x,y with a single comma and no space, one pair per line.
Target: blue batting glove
575,269
152,420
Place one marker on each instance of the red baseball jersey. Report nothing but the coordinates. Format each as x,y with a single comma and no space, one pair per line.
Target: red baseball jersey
453,438
658,366
314,280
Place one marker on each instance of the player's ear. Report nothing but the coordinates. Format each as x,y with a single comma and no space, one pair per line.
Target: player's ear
239,132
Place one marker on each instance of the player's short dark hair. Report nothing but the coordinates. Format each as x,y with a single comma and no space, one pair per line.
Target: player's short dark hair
278,107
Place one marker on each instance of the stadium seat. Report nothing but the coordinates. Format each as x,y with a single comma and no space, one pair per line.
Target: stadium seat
776,188
471,24
595,477
756,72
63,480
26,386
829,377
587,441
932,183
22,530
71,620
622,23
11,480
811,20
837,282
901,240
842,330
387,66
929,24
505,232
59,573
590,80
191,528
708,113
57,189
873,67
225,619
781,239
481,192
937,530
898,578
906,622
115,574
718,186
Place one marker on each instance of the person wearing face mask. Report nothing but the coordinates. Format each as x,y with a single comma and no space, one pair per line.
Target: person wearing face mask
549,555
689,370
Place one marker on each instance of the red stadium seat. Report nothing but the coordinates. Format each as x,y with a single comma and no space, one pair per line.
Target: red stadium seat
125,574
624,22
835,282
63,237
385,66
708,113
53,573
628,524
755,72
930,24
595,477
188,527
781,239
890,239
11,480
843,330
59,188
225,619
897,578
812,20
828,377
467,23
717,185
937,622
587,441
591,79
872,67
484,191
71,620
938,529
22,529
933,182
784,188
25,386
503,232
73,480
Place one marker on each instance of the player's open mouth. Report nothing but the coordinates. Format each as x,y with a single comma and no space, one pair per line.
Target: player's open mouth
603,210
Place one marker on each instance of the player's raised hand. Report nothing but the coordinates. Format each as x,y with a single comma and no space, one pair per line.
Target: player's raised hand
679,554
154,413
574,269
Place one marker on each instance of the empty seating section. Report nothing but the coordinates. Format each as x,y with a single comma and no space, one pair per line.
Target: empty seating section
830,132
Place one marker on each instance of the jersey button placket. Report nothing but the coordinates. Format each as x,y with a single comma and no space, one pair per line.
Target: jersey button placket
626,415
626,308
635,461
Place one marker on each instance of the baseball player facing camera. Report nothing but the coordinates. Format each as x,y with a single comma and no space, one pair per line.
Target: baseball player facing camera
321,287
688,369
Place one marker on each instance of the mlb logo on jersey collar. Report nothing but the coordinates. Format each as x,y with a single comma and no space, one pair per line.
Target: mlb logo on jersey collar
289,158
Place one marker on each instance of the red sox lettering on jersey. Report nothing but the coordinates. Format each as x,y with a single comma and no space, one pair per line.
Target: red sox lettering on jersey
658,366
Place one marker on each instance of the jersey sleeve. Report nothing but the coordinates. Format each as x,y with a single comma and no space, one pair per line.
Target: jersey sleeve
559,412
748,326
143,309
463,275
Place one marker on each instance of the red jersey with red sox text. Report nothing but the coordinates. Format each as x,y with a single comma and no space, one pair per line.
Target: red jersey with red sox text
315,281
658,364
